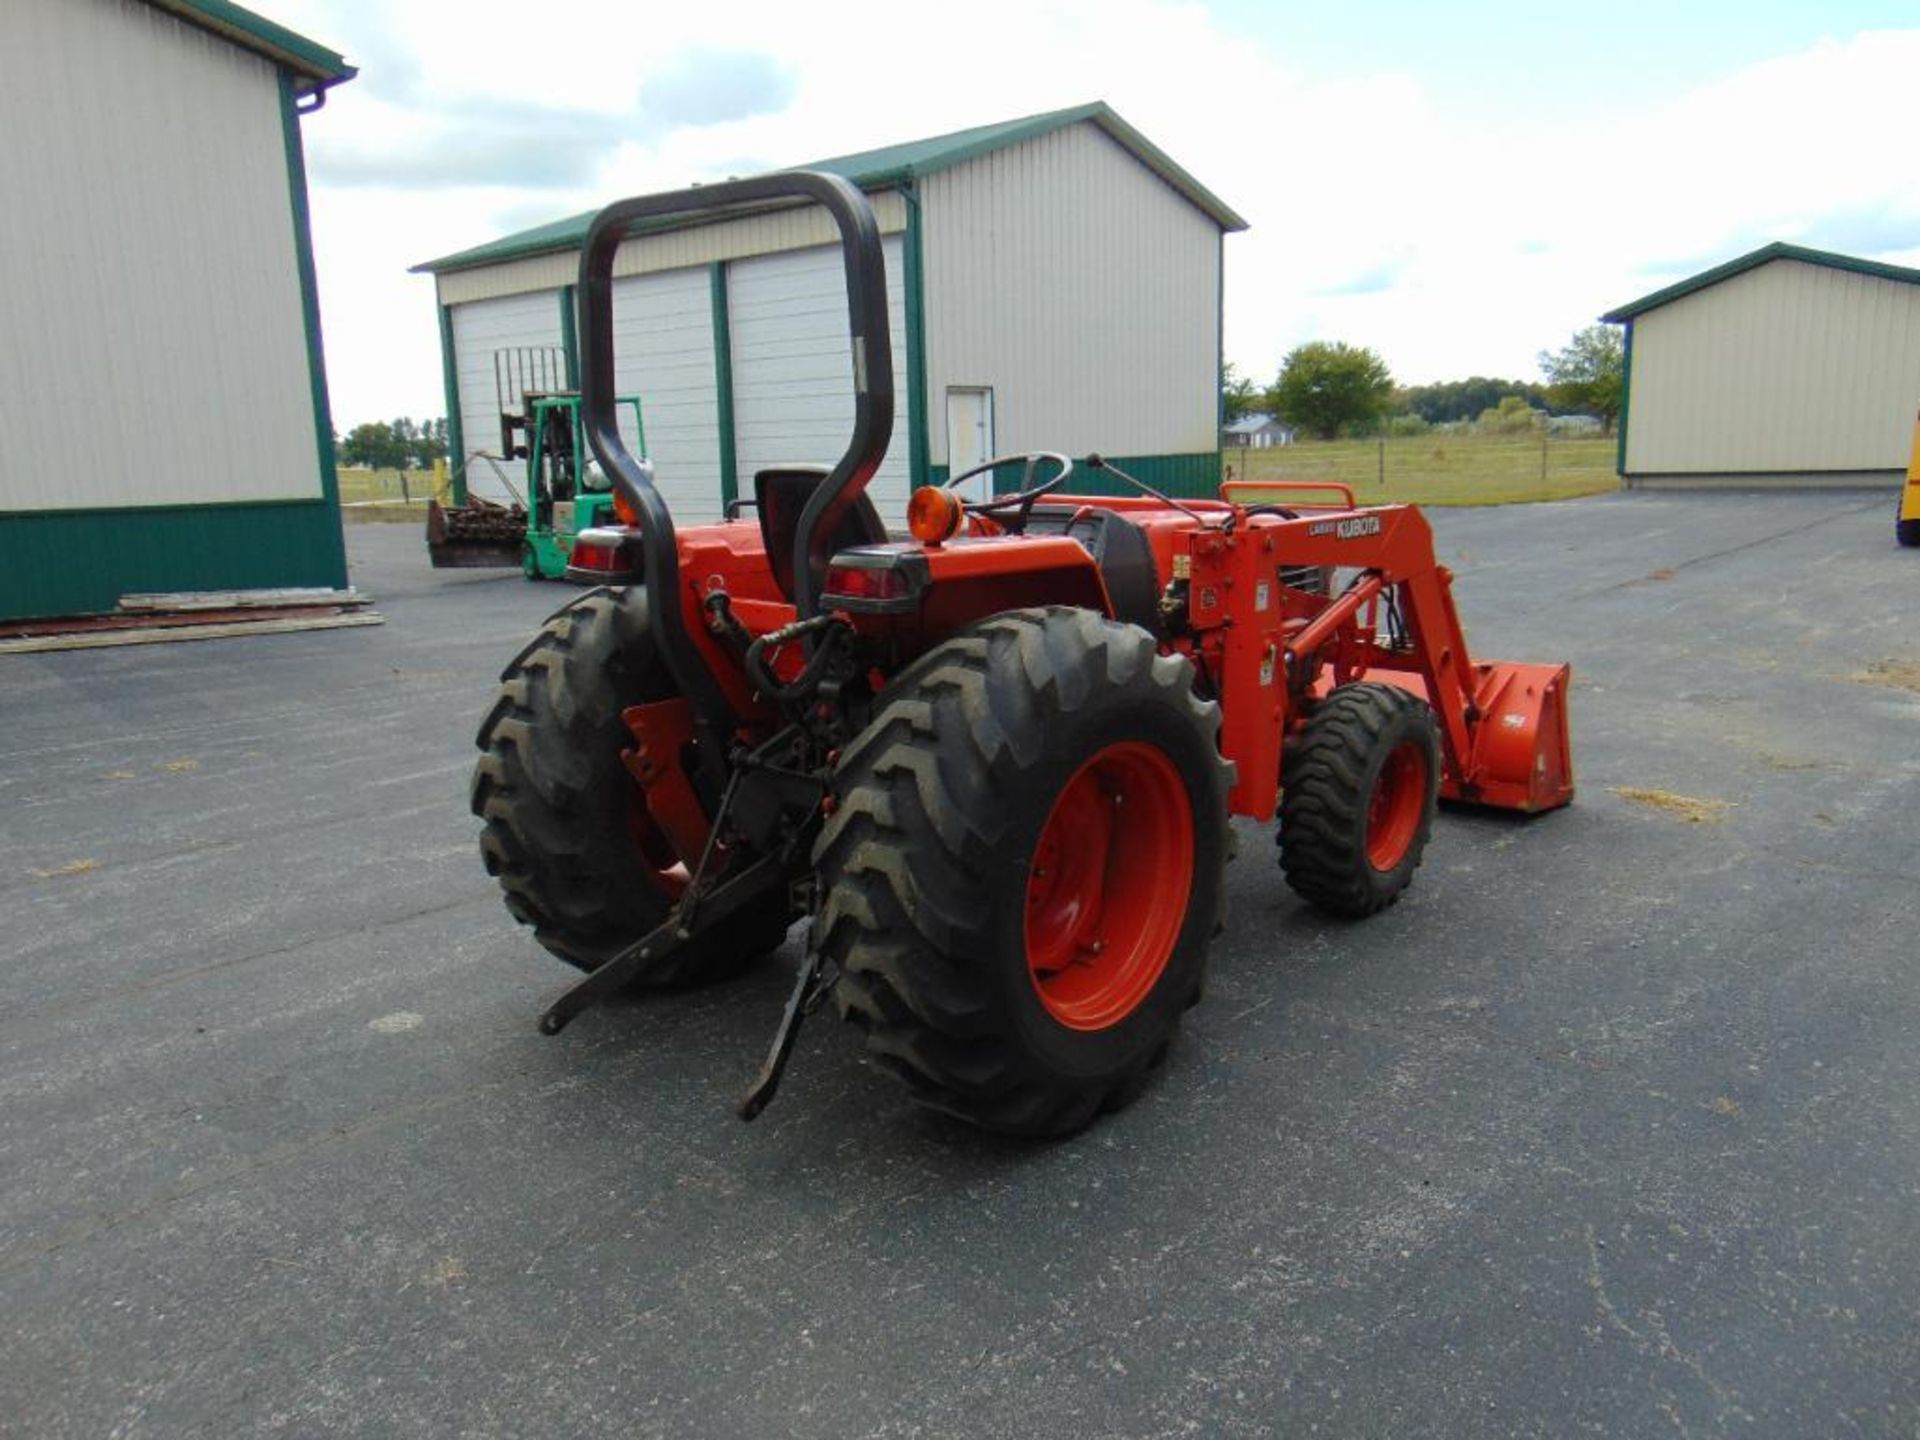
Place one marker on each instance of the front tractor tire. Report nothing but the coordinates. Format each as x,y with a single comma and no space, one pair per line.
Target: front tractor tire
1361,785
1023,868
566,830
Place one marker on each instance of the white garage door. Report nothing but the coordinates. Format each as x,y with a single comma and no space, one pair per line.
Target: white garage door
480,328
793,369
663,352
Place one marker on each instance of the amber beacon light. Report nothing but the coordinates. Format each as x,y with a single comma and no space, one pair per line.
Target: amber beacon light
934,514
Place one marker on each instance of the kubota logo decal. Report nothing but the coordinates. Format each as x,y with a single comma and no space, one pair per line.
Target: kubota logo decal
1347,529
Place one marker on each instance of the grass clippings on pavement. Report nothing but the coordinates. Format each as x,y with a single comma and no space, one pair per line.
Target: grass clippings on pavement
1694,809
1894,674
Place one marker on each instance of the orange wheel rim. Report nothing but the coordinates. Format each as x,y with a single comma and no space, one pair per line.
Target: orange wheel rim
1108,886
1399,800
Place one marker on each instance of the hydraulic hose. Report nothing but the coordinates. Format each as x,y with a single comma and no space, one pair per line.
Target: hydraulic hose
802,685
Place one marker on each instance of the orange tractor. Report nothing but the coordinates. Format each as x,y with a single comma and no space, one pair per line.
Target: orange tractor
993,765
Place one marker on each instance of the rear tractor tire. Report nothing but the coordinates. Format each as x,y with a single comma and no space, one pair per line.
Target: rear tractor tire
1023,868
1360,790
567,832
1906,531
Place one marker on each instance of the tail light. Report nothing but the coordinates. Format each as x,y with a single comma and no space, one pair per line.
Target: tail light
603,555
875,579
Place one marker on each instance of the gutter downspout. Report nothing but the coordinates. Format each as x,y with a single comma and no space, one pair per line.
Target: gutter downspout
916,327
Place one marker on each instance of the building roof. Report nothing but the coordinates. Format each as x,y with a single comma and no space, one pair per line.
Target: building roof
890,166
1254,424
314,67
1778,250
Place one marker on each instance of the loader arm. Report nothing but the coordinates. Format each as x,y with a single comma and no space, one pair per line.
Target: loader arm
1503,730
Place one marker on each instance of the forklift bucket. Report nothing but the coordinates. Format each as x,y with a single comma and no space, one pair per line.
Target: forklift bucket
1521,757
477,535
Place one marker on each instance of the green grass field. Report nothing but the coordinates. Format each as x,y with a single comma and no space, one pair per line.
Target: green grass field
1441,469
384,487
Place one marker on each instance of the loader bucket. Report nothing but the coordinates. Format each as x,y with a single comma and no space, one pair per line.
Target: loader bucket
474,536
1521,758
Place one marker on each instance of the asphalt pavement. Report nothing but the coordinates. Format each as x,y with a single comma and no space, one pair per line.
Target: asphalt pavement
1611,1127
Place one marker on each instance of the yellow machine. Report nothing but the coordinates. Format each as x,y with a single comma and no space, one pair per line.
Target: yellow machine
1907,527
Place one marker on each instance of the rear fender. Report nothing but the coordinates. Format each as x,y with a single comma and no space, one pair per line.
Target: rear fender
730,558
970,579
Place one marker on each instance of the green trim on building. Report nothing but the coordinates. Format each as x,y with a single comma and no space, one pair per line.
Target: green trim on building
311,65
566,233
1220,337
894,166
723,382
79,562
1778,250
1626,402
919,457
1185,477
310,308
570,336
450,386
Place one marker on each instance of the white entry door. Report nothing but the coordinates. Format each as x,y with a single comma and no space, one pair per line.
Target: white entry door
970,436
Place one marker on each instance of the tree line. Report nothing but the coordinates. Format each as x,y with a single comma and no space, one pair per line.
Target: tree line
1328,389
403,444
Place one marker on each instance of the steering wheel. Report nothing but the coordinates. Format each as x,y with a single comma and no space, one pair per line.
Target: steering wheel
1021,501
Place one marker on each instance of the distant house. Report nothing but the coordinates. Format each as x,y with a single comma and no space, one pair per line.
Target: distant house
1257,432
1574,425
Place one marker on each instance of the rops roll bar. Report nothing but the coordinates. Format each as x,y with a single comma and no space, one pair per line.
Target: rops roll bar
872,354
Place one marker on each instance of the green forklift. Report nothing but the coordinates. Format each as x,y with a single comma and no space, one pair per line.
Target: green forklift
565,491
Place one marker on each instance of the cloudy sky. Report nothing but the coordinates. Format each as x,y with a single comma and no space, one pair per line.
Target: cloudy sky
1457,186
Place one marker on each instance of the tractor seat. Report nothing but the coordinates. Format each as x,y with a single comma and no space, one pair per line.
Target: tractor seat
1122,551
780,493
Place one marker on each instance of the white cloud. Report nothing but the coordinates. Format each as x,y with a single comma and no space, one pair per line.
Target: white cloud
1450,245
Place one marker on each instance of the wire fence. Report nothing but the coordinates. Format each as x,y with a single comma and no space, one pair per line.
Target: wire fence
389,487
1440,469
